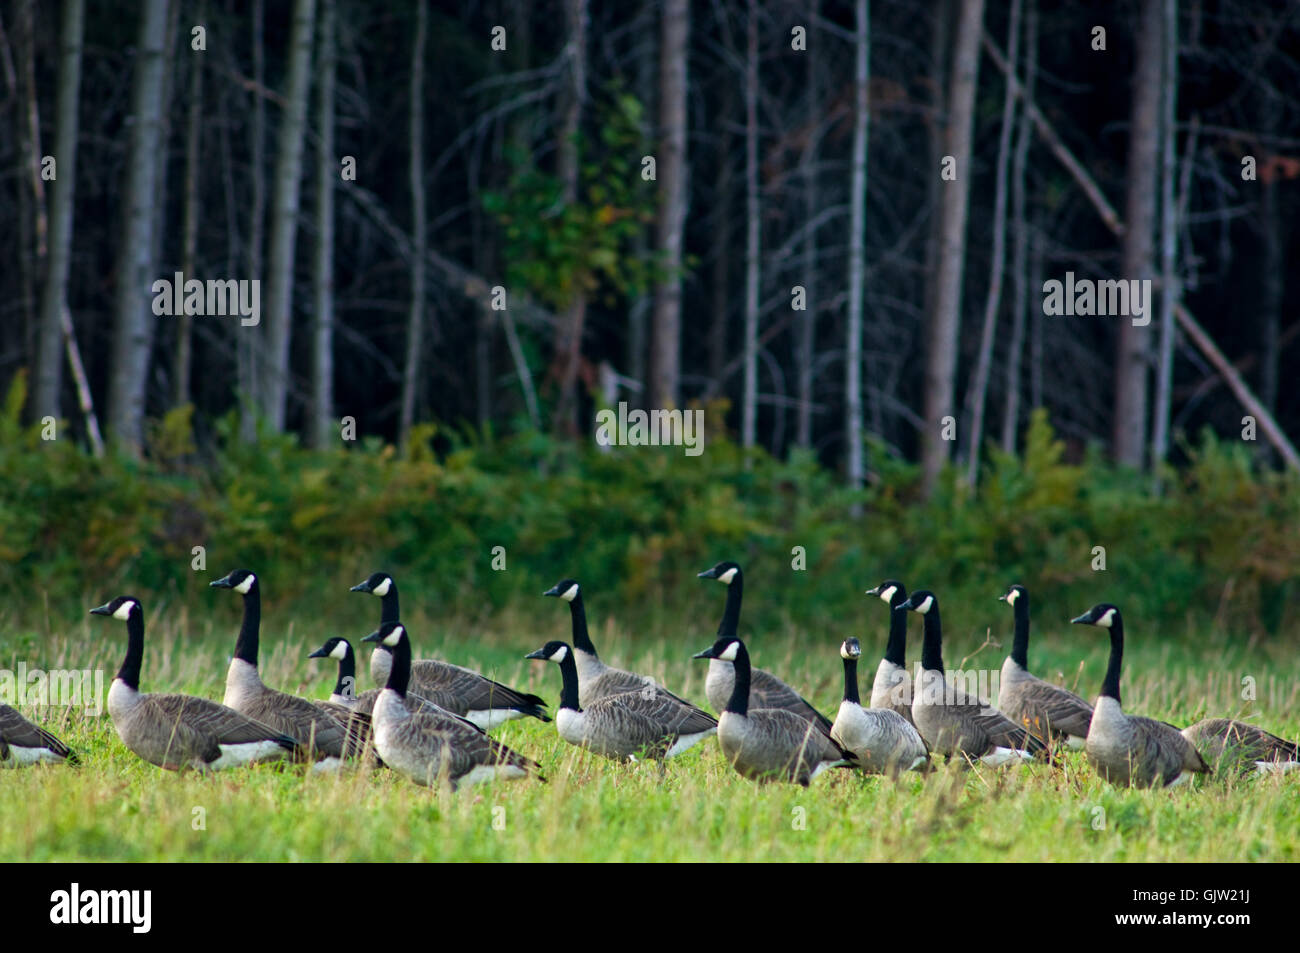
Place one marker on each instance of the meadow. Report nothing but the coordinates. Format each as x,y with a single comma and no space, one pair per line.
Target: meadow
116,807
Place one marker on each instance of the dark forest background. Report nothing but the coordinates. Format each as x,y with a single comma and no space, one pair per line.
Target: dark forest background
798,264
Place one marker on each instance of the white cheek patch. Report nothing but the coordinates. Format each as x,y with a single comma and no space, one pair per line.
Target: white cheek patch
1107,620
560,654
383,587
1012,595
729,575
394,637
124,610
568,595
888,594
925,606
729,653
340,651
247,584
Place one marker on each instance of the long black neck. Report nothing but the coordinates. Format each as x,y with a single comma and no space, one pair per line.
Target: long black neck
851,681
569,679
347,683
246,647
390,610
1110,684
130,670
896,648
399,676
932,647
730,624
739,702
578,615
1020,644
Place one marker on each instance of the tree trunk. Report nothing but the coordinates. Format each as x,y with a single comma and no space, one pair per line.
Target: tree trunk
977,393
672,175
321,428
248,341
190,228
278,320
49,362
753,233
1020,248
805,337
415,318
945,321
569,339
1140,220
133,323
1169,290
857,251
724,190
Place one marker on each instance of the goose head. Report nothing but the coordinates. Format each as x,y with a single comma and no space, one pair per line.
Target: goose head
388,636
378,583
724,650
1012,594
890,592
1103,614
566,589
334,648
551,652
850,650
724,572
240,580
922,601
121,608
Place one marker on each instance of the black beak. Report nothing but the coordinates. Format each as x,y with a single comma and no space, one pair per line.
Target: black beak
1002,598
874,592
1085,619
373,637
222,583
708,574
707,653
361,587
540,653
553,591
105,609
320,653
908,604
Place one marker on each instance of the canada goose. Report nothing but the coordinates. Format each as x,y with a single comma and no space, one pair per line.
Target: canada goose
461,691
1226,742
345,692
1126,749
626,724
1046,709
952,721
180,731
766,690
883,741
324,735
23,743
432,748
893,685
769,744
597,680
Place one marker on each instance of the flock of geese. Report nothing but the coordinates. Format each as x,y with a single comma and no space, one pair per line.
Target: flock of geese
430,720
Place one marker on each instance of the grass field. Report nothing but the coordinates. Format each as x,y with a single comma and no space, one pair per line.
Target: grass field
116,807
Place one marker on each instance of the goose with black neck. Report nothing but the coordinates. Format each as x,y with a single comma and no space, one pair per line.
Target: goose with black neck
768,744
626,725
176,731
1128,749
953,722
765,689
596,680
892,687
433,749
461,691
882,740
323,736
1047,709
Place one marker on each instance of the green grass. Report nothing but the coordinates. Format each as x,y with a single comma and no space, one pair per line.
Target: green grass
116,807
